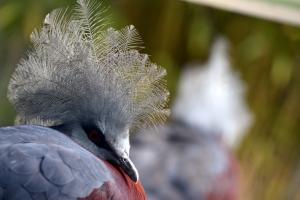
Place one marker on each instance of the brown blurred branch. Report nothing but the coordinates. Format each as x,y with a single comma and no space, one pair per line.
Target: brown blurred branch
266,10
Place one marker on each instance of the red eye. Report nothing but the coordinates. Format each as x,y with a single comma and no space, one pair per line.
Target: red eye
94,136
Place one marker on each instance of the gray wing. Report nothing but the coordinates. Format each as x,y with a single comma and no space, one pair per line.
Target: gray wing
39,163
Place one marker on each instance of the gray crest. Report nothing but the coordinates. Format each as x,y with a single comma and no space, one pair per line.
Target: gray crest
80,70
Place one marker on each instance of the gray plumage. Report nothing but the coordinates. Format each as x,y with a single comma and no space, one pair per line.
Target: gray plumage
181,162
80,70
40,163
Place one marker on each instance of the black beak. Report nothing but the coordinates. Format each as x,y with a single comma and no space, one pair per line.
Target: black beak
129,169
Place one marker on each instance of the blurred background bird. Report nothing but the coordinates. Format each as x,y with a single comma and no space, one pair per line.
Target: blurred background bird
191,157
79,91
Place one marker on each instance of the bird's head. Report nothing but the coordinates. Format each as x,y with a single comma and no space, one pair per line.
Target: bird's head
89,81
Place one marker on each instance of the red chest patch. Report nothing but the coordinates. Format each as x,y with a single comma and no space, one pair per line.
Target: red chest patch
121,187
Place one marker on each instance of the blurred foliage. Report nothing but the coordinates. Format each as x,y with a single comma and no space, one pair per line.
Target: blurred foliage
286,2
266,54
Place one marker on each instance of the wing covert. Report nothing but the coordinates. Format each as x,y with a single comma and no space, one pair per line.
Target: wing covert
39,168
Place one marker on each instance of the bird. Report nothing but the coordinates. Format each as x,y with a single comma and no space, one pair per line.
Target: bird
79,92
191,157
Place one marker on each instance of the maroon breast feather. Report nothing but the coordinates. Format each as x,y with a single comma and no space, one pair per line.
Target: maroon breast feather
120,187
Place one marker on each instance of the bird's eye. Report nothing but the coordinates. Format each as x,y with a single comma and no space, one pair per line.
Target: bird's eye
94,136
